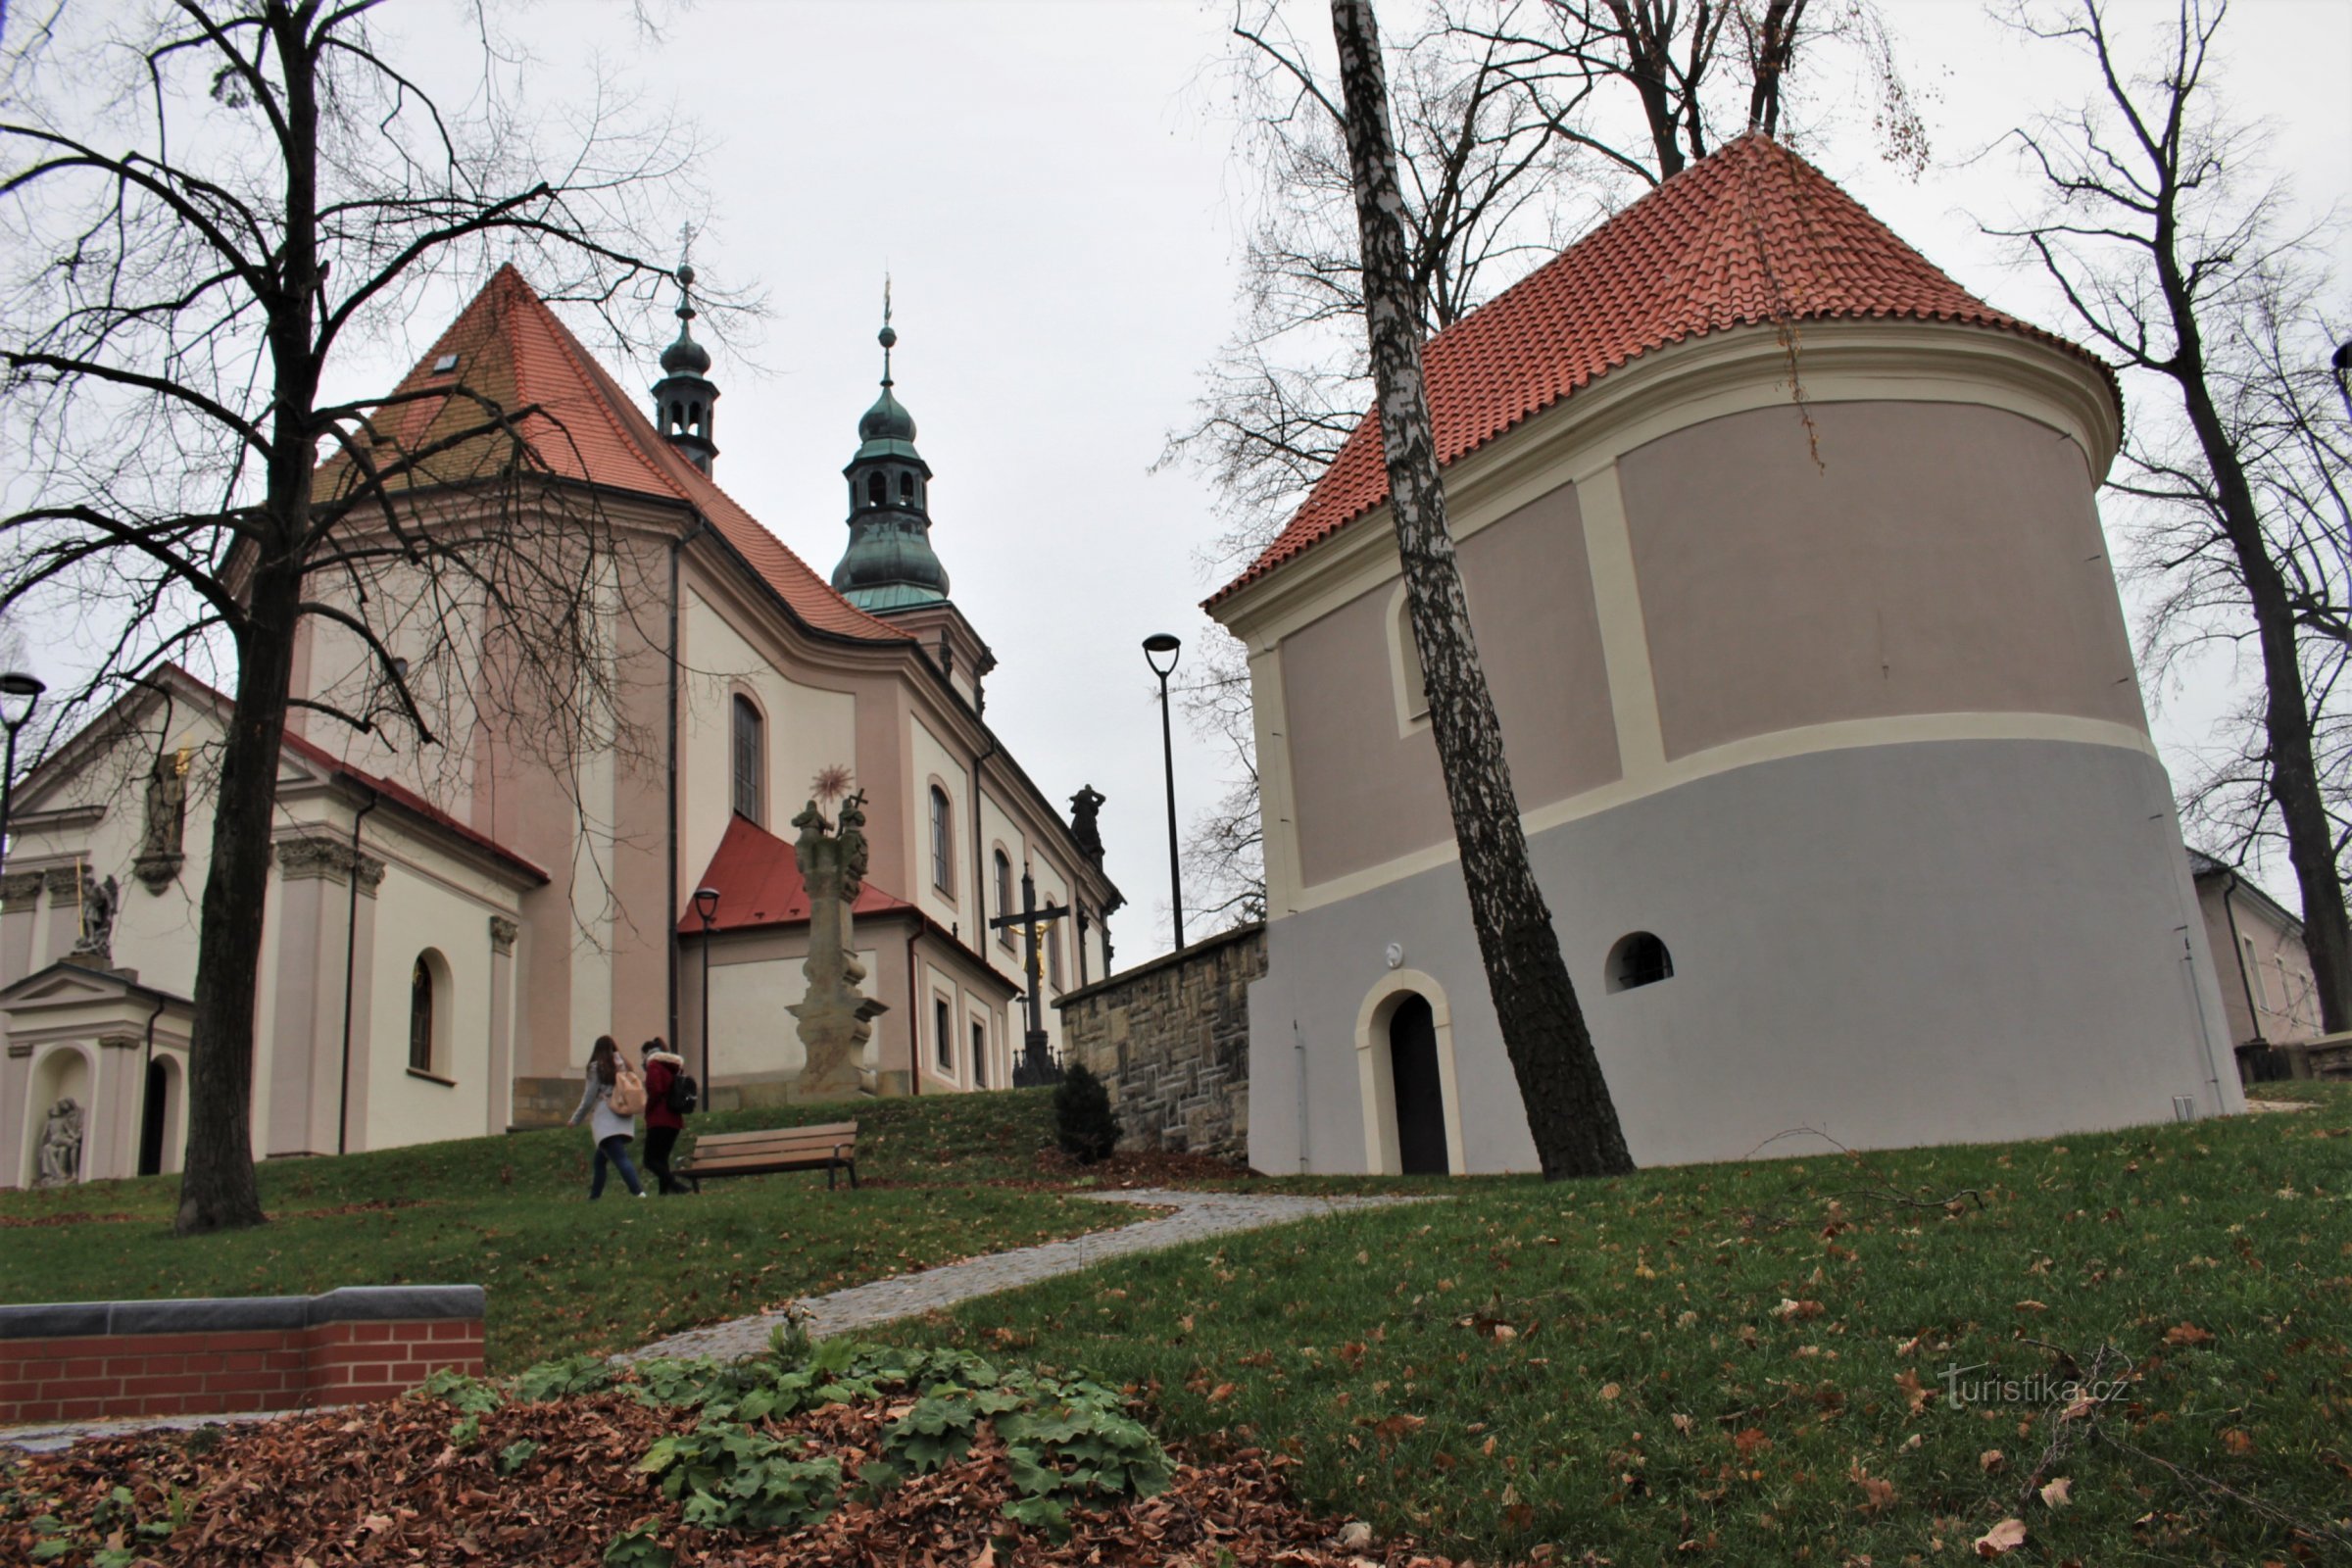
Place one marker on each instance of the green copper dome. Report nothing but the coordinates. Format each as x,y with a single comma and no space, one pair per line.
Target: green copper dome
889,563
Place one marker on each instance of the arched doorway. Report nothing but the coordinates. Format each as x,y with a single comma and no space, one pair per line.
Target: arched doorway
155,1117
1419,1091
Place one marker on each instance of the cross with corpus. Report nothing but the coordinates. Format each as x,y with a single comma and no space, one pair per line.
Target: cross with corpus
1034,1067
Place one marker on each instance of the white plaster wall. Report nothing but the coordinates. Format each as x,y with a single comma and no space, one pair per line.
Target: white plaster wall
932,759
444,655
753,1032
416,910
806,728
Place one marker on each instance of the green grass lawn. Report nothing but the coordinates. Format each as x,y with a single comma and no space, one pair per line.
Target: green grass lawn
1746,1364
565,1276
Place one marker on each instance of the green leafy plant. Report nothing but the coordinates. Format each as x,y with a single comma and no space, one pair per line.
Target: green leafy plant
639,1547
559,1380
470,1394
1084,1124
466,1434
515,1455
731,1477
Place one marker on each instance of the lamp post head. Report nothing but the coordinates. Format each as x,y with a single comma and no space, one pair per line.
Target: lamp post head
705,905
1158,642
19,692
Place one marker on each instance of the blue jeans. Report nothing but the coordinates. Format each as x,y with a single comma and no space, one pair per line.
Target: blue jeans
615,1150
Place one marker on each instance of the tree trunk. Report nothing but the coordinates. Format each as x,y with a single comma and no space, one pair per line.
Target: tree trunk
1569,1111
2294,774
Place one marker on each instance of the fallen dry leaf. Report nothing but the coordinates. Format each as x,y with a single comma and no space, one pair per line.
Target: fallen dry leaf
1990,1460
2055,1493
2006,1537
2185,1333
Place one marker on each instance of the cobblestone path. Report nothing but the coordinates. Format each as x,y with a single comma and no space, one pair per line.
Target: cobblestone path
1197,1215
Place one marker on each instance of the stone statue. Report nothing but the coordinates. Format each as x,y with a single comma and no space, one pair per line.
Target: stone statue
61,1145
98,900
1085,806
836,1018
159,855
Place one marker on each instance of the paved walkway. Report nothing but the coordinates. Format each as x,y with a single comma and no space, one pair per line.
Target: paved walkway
1197,1215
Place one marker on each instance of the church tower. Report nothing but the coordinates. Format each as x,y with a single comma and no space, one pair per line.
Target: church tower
888,564
684,400
889,568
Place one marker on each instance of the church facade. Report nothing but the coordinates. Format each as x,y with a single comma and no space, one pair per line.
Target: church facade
1787,576
448,927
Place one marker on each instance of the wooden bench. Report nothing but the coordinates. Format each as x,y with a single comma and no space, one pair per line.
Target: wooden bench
830,1148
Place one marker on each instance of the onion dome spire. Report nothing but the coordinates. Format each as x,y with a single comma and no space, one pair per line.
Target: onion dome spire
684,399
889,563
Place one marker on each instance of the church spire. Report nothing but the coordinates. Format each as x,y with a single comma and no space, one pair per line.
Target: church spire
889,563
684,399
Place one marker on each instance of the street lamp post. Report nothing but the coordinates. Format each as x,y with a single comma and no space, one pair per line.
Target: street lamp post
1158,642
18,693
706,906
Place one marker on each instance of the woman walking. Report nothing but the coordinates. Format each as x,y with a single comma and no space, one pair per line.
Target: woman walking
607,1103
663,1124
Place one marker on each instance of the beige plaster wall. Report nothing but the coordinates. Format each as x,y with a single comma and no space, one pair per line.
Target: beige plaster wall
420,906
2276,968
1935,558
931,759
1365,776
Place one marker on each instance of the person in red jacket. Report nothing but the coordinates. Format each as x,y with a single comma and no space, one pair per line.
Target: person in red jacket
662,1124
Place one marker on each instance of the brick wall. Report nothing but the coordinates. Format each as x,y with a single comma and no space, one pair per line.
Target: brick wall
91,1360
1171,1038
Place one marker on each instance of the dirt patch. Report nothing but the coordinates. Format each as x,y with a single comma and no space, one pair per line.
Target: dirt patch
1142,1168
385,1483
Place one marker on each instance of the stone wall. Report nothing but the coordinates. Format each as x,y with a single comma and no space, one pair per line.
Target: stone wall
1171,1038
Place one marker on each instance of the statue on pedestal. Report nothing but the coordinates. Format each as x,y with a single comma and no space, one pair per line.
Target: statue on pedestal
98,900
159,855
60,1154
836,1018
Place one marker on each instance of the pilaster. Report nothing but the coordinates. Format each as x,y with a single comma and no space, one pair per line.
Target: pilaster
319,922
20,913
498,1094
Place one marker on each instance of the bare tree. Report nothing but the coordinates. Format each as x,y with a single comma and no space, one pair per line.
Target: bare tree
1569,1110
2173,262
261,188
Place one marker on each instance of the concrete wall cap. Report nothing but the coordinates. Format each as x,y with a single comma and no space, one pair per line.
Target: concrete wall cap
353,1303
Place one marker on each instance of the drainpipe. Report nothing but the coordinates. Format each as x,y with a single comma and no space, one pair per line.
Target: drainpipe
670,899
2237,951
915,1013
351,971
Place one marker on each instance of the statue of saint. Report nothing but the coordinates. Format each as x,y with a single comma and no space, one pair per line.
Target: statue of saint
166,804
1083,806
60,1155
854,851
98,899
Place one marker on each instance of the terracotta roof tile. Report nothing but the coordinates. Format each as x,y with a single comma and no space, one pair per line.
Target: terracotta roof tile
509,348
758,883
1751,235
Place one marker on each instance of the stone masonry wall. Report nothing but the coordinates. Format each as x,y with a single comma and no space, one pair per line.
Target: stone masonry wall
1171,1038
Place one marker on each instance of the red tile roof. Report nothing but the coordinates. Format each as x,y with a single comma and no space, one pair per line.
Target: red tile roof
1750,234
758,883
512,348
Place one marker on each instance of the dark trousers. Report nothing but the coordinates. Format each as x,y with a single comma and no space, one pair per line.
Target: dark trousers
659,1142
613,1150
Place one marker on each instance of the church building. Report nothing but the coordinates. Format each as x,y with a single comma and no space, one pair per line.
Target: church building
1787,577
448,927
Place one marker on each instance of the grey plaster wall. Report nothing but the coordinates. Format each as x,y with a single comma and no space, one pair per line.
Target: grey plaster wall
1893,944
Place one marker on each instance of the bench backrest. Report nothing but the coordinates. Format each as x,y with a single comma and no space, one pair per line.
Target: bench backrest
777,1144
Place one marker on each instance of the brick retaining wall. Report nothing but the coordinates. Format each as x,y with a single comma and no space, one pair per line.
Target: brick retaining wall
90,1360
1171,1038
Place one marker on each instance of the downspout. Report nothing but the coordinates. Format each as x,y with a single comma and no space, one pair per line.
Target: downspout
2237,951
915,1013
677,548
351,971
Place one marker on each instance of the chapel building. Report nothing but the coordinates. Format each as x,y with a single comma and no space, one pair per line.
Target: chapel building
450,926
1788,579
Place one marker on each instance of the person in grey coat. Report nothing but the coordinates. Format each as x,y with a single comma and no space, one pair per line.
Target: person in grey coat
613,1129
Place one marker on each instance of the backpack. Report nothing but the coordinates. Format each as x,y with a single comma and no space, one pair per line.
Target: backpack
684,1093
626,1097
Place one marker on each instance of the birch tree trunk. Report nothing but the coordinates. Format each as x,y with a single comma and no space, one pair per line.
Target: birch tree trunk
1569,1111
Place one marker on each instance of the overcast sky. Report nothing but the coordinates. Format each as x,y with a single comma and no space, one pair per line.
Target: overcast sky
1052,188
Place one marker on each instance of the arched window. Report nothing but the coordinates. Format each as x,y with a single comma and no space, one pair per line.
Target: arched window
1003,895
422,1008
943,842
1639,960
905,487
876,491
748,754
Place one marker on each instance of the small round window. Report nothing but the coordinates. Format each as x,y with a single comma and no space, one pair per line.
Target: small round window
1639,960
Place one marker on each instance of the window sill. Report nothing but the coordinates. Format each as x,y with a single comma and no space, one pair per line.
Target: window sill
432,1078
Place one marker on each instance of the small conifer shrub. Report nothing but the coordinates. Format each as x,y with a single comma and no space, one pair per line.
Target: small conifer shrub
1083,1123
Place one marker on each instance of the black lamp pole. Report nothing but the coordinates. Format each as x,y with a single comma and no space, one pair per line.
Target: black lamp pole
706,905
1158,642
18,693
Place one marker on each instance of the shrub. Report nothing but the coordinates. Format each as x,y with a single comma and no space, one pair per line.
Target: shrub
1083,1122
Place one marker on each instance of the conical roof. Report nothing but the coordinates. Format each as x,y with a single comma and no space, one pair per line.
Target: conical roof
1748,236
507,347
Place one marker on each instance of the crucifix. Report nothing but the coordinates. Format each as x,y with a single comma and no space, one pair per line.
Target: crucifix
1035,1066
